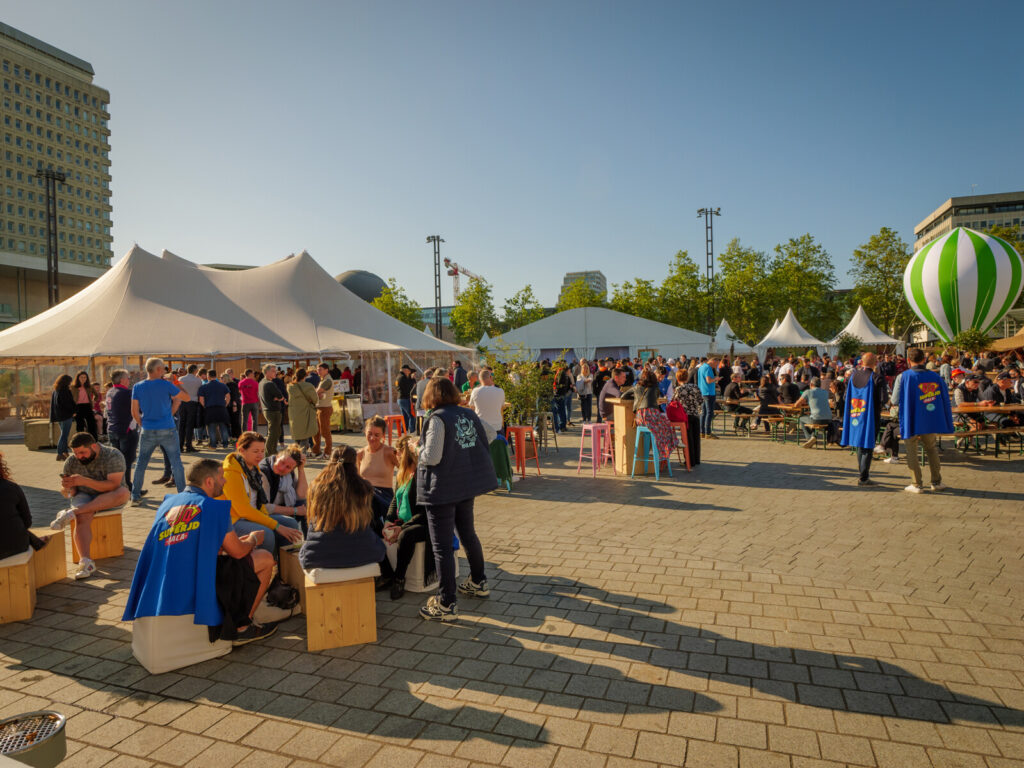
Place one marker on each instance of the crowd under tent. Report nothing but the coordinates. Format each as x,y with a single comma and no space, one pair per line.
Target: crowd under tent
788,334
594,332
727,342
290,311
860,325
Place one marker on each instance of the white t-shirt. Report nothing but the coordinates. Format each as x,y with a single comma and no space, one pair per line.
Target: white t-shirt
487,402
785,368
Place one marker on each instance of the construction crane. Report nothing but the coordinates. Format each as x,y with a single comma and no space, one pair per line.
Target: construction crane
453,272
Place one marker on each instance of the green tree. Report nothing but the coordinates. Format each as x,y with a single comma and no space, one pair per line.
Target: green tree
473,314
683,294
746,295
972,340
579,294
802,277
393,301
637,297
521,309
877,274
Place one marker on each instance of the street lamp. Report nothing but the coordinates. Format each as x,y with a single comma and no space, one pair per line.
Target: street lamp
709,237
437,240
51,179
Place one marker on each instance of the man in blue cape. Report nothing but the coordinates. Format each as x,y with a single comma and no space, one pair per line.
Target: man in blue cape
925,413
865,395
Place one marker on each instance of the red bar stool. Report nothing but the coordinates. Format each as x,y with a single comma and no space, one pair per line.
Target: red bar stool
519,435
397,423
683,444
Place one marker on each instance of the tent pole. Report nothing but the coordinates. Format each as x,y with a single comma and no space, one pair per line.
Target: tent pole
390,401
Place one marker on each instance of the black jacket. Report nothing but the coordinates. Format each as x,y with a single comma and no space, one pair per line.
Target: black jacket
62,404
15,520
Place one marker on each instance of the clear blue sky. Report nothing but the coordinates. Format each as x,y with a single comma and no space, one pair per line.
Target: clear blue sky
539,137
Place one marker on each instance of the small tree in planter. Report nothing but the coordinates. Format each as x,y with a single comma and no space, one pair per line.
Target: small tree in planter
848,345
527,389
972,340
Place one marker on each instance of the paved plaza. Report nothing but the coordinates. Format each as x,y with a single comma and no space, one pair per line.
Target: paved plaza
761,611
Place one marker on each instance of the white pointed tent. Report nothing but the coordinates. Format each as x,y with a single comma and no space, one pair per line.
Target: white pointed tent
789,333
860,325
761,344
590,332
726,339
150,305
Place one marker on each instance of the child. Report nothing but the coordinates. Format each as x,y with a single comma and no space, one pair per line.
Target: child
406,520
339,514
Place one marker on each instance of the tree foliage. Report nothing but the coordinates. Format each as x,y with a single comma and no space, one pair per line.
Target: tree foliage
802,277
579,294
521,309
527,388
746,296
972,340
848,345
394,301
473,314
877,274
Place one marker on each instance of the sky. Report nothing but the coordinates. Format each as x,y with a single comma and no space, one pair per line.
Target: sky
539,137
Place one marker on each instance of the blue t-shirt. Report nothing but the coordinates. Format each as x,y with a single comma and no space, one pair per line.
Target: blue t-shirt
154,396
706,387
664,386
177,570
215,395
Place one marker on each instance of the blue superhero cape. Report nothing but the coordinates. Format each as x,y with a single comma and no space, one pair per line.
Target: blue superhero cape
924,404
859,418
177,570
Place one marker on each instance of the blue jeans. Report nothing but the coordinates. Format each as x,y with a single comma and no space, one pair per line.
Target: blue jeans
443,520
270,539
65,433
219,433
558,409
405,405
707,416
167,440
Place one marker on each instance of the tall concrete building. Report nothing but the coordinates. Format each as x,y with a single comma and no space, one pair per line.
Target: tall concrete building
56,118
975,211
593,278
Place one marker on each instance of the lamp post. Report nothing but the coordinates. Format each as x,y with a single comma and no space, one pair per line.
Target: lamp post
437,240
709,237
51,178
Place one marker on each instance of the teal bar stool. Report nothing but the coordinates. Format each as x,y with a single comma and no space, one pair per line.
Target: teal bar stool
645,434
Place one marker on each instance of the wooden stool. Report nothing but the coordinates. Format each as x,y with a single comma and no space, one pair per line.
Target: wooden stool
397,423
519,435
341,607
17,588
291,572
107,540
683,444
51,563
165,643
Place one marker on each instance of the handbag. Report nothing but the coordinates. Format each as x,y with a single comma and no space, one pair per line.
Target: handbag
675,412
282,595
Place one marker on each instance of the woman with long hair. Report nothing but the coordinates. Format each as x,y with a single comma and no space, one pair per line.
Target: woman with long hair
647,413
377,462
85,418
251,510
15,517
339,514
585,390
62,411
406,522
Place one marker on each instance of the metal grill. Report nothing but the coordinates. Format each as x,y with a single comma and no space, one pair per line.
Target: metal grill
26,731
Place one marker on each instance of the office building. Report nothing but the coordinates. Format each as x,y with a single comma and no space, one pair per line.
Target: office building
55,118
979,212
593,278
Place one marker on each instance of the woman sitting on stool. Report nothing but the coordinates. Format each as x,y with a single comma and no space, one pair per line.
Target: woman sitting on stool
406,522
376,463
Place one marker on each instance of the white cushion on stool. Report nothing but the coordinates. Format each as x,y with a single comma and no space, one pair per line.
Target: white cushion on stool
333,575
165,643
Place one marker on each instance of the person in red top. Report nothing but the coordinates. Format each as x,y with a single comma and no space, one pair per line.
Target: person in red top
248,389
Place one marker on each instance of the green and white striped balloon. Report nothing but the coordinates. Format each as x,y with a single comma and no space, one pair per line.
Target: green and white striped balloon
963,279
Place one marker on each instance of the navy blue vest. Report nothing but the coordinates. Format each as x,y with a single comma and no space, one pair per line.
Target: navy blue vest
465,470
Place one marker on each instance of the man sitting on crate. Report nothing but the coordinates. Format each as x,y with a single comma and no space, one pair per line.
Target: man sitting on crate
93,479
193,562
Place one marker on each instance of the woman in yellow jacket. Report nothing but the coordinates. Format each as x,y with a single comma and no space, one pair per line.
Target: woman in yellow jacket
243,487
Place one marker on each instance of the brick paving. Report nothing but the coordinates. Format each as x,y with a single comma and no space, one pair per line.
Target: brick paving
759,611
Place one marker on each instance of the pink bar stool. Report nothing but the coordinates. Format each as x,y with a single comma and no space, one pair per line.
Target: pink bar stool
600,447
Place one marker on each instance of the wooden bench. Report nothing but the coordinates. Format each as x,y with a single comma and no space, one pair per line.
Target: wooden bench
341,607
50,562
17,588
39,434
107,539
165,643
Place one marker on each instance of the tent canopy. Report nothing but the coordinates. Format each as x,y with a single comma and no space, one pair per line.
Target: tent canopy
1010,342
789,333
860,325
168,305
726,339
587,330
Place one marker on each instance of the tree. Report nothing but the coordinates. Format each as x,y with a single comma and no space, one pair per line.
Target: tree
802,276
972,340
683,294
521,309
394,302
848,345
579,294
638,297
877,274
748,298
473,314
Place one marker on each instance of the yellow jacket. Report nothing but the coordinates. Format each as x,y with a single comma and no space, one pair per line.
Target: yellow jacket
236,490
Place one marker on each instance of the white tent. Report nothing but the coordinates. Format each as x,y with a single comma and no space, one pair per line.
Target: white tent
761,344
860,325
150,305
726,339
591,332
789,333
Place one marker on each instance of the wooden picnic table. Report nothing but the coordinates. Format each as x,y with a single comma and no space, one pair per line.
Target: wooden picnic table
978,408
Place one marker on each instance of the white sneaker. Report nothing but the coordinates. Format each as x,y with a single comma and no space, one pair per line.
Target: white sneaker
939,487
879,448
914,489
892,460
86,568
64,517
